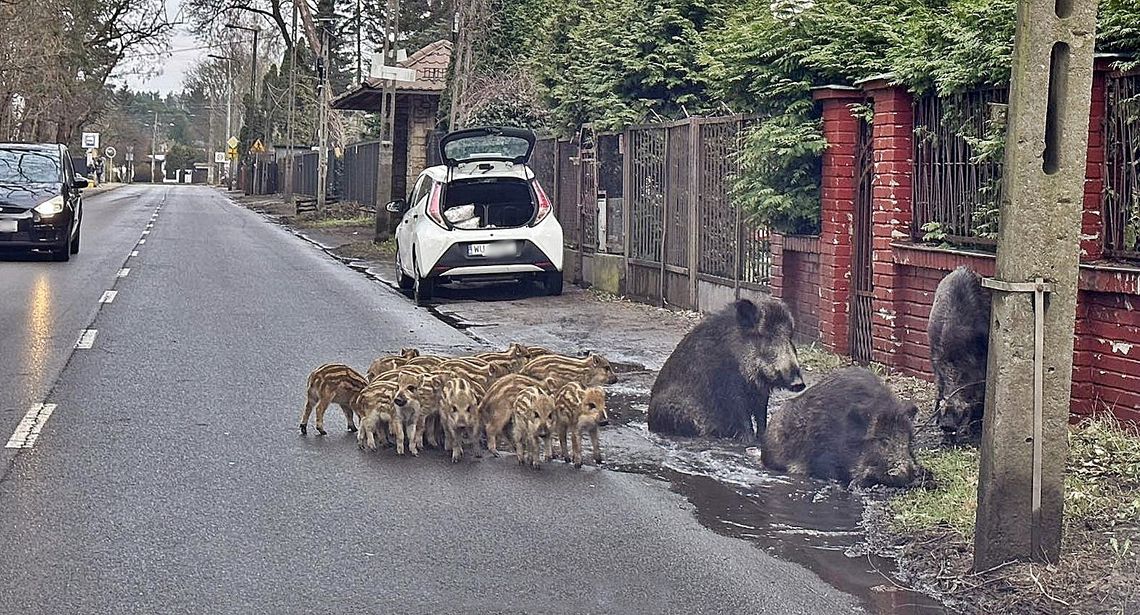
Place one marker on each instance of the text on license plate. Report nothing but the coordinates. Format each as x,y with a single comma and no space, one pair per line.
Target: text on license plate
491,250
9,226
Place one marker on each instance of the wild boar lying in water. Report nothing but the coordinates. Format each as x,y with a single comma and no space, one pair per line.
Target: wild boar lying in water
849,427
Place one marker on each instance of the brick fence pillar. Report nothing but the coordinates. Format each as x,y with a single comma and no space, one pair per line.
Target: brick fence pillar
1092,220
891,209
837,203
776,275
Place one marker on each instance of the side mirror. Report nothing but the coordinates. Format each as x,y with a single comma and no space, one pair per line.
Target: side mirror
396,207
79,182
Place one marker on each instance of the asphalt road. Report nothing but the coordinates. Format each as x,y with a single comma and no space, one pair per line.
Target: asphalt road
171,478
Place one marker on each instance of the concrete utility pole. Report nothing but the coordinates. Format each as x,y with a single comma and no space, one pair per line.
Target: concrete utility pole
154,148
1020,489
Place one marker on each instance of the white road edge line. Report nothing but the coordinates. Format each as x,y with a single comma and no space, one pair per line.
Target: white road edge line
28,431
124,271
86,339
108,296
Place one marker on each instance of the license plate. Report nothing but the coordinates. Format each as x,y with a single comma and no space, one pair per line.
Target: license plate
9,226
491,250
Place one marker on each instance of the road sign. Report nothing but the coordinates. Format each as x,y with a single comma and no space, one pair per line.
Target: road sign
130,156
231,153
110,151
219,157
90,140
395,73
258,147
233,142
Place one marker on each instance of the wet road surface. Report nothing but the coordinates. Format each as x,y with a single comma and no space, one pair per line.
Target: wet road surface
170,476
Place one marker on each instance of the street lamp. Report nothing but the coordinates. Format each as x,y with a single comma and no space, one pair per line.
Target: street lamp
229,110
253,78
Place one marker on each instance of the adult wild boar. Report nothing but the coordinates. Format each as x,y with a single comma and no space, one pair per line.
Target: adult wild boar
959,331
848,427
720,376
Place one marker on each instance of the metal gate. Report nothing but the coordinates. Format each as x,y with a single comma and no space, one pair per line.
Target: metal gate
862,278
587,191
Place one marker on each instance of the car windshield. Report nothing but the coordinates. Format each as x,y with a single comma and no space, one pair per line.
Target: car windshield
23,166
486,146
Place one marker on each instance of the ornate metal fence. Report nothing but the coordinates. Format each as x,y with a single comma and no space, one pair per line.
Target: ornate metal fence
957,166
1120,201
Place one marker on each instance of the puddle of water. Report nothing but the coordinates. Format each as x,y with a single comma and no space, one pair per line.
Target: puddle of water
811,523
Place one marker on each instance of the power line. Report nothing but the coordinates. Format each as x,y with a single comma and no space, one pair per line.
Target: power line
189,49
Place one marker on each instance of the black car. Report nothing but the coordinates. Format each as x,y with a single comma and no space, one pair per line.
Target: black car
40,201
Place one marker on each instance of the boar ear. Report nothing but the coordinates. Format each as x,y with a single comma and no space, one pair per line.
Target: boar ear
747,314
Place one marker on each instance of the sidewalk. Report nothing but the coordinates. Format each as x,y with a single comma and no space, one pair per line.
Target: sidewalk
101,188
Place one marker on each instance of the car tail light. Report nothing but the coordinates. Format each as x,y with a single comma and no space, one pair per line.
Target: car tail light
433,211
544,207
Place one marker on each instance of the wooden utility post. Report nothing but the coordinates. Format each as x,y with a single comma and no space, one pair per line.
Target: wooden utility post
323,121
383,226
1020,489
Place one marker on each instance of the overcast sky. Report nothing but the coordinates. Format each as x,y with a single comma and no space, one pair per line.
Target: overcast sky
174,65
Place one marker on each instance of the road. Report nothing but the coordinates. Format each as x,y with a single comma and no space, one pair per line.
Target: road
170,477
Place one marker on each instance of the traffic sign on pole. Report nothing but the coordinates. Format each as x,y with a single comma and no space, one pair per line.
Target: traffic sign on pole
90,140
110,152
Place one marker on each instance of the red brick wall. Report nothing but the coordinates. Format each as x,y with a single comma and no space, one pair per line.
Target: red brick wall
837,200
1106,360
1092,246
892,211
795,280
919,271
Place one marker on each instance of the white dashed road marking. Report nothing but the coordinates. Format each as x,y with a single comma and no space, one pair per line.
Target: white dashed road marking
134,253
29,428
124,271
86,339
146,232
108,296
142,241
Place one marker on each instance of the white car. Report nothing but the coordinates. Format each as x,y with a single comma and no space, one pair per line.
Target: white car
481,215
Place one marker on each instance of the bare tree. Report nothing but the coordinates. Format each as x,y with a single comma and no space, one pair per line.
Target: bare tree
54,71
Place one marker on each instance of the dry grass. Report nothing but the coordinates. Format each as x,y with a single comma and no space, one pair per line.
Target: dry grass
367,221
368,250
1100,557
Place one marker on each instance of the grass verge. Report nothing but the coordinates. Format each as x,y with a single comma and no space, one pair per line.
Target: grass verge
327,223
1100,557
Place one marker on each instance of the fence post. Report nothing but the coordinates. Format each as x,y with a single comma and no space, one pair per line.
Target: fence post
892,207
665,189
627,195
837,206
694,209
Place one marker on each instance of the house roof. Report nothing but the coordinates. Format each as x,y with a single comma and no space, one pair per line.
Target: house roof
430,64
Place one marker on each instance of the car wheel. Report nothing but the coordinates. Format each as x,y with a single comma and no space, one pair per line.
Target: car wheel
74,248
422,287
552,283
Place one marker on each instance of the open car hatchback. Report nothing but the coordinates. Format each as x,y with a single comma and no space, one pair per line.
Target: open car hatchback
480,215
